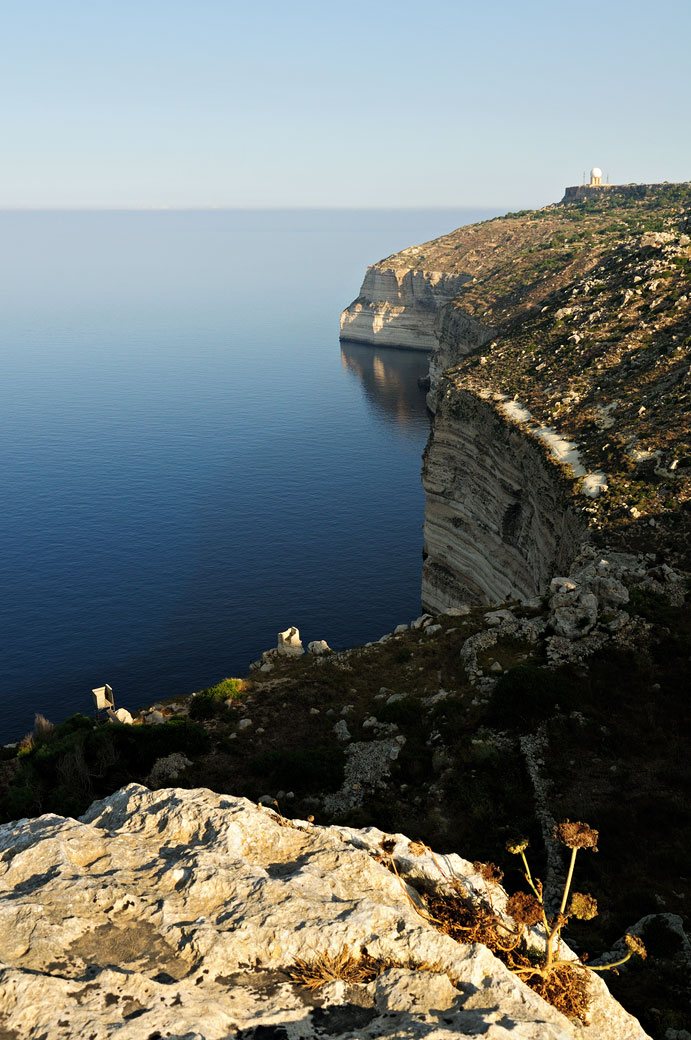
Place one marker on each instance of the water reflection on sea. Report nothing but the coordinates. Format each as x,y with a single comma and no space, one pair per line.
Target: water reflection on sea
391,382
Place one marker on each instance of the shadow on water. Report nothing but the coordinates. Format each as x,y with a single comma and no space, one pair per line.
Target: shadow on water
389,379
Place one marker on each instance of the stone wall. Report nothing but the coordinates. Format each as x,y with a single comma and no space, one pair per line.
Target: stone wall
582,192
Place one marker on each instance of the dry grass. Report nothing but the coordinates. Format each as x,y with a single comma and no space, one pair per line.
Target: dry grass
347,967
325,968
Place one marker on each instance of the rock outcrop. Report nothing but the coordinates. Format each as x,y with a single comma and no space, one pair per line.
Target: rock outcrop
184,914
397,305
560,335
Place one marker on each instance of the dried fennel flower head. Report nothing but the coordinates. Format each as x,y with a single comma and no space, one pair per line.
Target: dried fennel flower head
583,906
636,945
490,872
524,908
576,835
517,845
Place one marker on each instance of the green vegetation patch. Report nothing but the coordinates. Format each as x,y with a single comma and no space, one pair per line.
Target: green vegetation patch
81,760
212,701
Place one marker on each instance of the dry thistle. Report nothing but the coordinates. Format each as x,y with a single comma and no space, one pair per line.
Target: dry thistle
636,945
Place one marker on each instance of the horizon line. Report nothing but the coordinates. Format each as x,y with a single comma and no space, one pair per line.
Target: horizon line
236,209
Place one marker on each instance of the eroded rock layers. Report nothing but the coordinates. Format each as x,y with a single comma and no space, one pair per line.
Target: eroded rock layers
398,307
572,324
498,517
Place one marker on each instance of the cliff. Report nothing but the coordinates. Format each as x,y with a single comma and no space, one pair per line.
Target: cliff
558,465
192,915
498,520
561,379
397,304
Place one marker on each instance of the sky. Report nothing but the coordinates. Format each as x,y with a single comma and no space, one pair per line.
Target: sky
321,103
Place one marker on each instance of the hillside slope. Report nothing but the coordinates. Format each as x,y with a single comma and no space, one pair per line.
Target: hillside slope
558,487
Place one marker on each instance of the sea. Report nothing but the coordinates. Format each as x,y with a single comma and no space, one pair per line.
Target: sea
191,460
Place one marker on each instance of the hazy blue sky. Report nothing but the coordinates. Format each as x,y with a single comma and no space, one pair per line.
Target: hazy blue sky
322,103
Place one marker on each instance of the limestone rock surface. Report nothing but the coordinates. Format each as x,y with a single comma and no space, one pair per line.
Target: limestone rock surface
289,643
498,520
178,913
398,306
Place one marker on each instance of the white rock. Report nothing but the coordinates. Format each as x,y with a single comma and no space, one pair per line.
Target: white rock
400,629
498,617
318,646
143,917
420,622
289,643
154,718
341,730
120,715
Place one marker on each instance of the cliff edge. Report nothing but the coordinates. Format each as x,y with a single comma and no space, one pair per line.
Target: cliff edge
198,916
560,378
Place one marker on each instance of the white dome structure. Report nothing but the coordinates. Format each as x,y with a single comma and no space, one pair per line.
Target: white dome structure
595,175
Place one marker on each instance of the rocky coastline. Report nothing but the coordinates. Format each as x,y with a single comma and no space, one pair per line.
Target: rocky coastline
545,681
560,381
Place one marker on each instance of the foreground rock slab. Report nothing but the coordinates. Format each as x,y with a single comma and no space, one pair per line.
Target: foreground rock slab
177,913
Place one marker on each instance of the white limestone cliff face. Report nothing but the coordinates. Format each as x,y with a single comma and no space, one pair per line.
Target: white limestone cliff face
398,305
458,334
498,520
176,913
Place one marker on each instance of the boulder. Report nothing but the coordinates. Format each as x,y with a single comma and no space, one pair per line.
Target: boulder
182,914
573,609
120,715
166,769
318,647
341,730
289,643
154,718
422,621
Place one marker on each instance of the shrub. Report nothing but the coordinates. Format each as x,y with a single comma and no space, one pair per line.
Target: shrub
212,701
527,694
303,771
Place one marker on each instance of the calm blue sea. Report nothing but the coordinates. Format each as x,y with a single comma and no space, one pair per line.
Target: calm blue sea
190,460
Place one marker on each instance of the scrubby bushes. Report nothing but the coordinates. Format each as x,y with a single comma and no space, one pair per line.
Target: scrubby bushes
304,771
527,694
212,701
80,760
